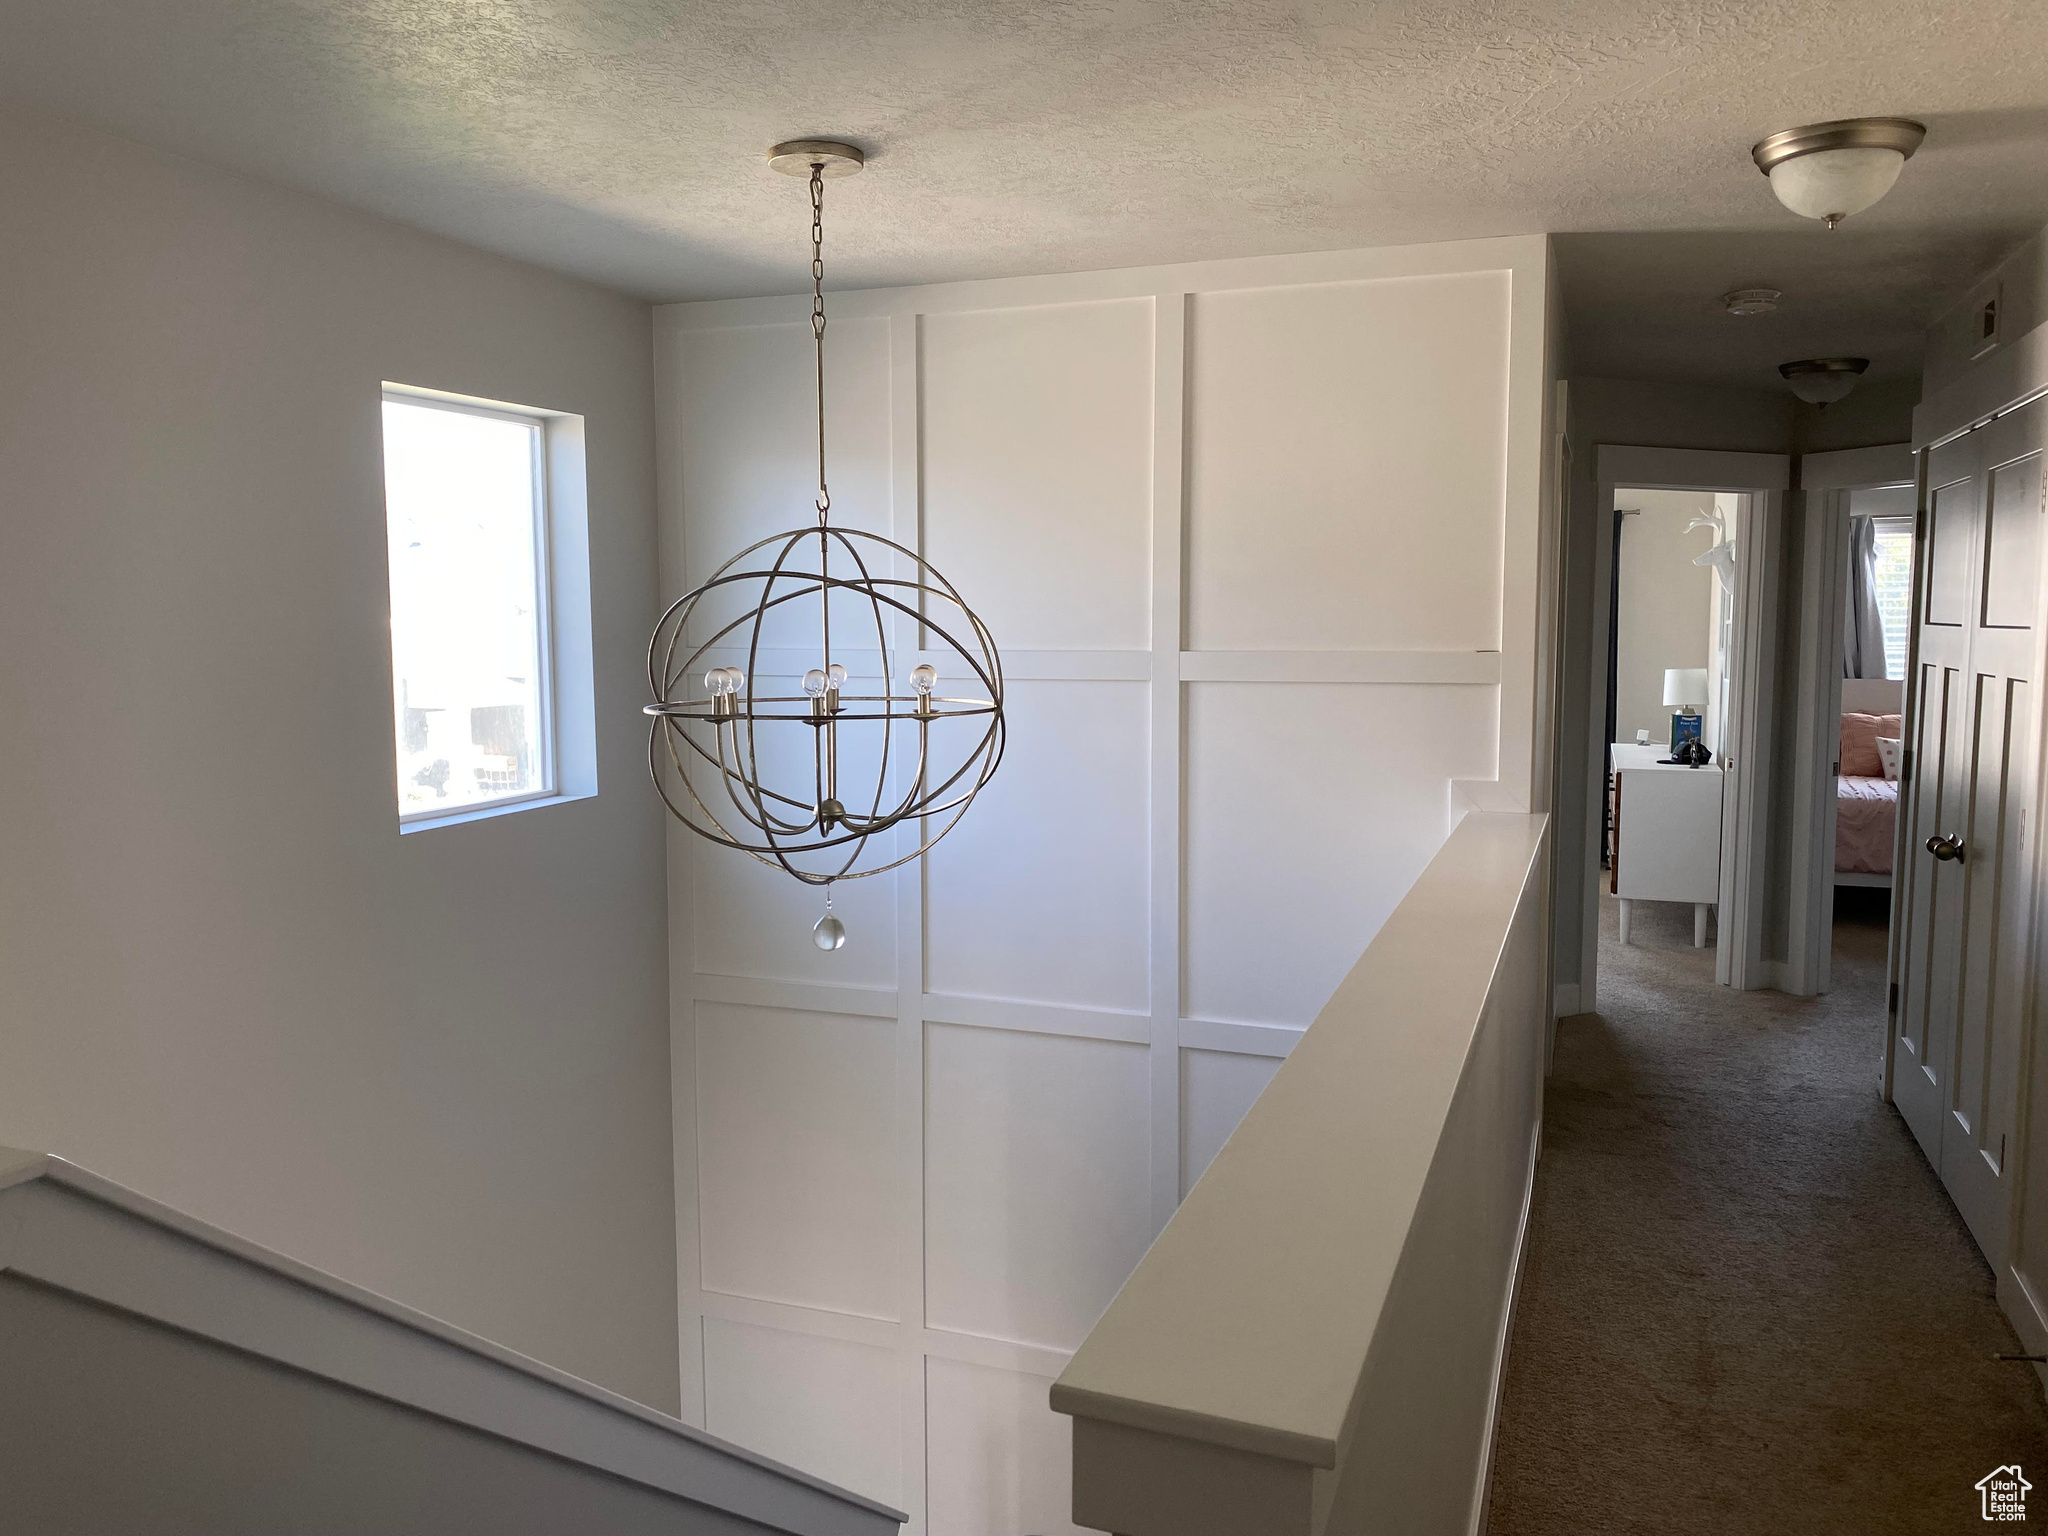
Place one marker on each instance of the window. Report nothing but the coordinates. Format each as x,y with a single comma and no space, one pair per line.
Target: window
1894,588
465,500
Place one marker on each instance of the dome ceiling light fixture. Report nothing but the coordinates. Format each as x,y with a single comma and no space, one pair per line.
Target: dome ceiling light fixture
1823,380
1751,301
806,756
1828,171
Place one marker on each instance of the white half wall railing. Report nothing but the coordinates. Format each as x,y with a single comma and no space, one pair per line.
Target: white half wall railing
163,1375
1315,1343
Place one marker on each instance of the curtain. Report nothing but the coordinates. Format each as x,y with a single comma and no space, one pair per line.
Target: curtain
1862,623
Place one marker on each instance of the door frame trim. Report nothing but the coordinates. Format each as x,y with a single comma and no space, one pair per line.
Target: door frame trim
1766,478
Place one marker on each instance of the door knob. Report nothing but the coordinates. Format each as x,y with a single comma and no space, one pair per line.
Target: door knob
1945,847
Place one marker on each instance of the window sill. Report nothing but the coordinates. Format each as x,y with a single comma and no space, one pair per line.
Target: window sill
486,812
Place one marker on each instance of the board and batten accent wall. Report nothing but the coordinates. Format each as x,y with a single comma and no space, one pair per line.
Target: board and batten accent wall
1259,540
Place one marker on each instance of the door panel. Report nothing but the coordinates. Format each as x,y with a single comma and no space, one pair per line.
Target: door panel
1977,1136
1951,539
1967,921
1921,1080
2012,546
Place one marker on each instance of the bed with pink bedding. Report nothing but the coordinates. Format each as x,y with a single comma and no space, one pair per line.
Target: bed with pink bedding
1866,802
1866,812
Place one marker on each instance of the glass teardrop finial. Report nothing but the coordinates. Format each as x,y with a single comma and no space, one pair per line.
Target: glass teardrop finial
830,932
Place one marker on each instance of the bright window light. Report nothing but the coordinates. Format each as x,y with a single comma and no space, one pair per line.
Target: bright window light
1894,586
466,509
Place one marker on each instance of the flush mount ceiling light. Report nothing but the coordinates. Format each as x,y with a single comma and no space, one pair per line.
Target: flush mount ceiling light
1751,301
1823,380
1828,171
808,753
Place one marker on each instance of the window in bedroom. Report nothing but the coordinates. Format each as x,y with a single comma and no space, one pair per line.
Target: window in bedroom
466,510
1894,588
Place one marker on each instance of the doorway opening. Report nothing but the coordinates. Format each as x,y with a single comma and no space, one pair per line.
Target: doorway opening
1671,601
1858,553
1678,809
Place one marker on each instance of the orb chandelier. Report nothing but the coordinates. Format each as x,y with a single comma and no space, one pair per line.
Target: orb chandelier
780,726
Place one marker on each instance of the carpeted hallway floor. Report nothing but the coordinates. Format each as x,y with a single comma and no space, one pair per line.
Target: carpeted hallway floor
1747,1308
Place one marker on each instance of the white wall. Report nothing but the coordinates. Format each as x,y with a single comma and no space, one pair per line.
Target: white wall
435,1066
1241,531
2019,284
1666,604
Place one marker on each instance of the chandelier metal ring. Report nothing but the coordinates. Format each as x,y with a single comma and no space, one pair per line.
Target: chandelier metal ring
706,745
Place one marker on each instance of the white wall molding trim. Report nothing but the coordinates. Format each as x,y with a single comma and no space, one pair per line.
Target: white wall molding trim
1476,667
1244,680
1021,665
1308,269
764,992
1037,1018
1242,1039
788,1316
879,1334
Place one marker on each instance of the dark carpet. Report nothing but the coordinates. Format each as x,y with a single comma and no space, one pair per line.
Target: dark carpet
1747,1305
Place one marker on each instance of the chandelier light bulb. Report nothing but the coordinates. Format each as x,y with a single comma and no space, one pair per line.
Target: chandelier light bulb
924,678
814,682
1828,171
835,675
714,682
735,679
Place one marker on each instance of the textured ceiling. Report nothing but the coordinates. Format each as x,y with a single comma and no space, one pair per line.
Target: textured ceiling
621,139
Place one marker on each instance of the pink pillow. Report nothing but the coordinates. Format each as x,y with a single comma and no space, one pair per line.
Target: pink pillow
1860,759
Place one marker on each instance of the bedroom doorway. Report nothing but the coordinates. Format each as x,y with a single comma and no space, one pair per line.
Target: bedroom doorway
1677,854
1671,599
1856,560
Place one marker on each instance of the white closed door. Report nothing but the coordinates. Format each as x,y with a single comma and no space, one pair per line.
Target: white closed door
1964,875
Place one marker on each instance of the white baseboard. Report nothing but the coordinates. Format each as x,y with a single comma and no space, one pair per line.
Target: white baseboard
1482,1490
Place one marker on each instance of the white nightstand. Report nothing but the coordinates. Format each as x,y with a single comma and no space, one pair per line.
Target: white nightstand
1667,833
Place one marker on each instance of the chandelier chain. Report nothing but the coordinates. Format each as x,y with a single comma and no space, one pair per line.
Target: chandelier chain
818,321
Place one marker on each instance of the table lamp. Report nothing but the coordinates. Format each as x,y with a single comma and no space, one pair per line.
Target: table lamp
1685,692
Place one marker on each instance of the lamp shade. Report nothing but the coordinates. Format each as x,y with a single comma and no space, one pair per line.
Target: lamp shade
1685,685
1823,380
1835,183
